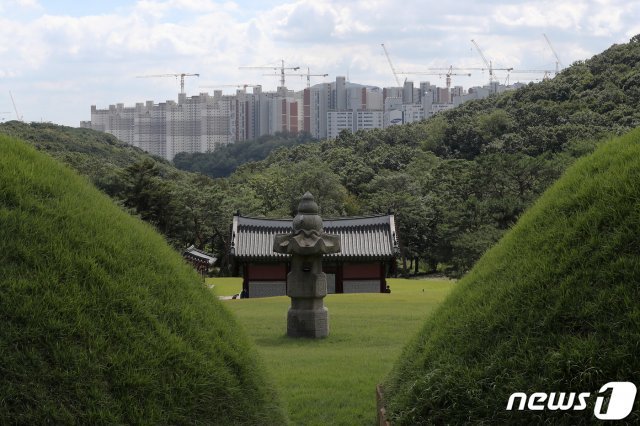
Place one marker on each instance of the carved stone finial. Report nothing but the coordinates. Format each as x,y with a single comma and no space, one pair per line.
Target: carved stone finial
308,204
307,217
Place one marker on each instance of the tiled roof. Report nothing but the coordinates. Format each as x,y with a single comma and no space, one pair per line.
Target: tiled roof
367,237
200,255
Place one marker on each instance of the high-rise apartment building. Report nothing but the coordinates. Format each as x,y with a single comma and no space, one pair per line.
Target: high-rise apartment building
407,93
193,124
340,94
204,122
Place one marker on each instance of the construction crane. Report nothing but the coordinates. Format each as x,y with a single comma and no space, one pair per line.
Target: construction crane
181,75
452,68
15,108
558,62
449,72
308,75
469,69
545,73
282,68
217,86
393,70
488,64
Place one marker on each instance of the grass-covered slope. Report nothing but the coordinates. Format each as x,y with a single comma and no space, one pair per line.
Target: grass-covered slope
101,321
99,156
553,307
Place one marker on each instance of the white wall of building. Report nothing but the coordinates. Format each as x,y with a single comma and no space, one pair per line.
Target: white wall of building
368,120
338,121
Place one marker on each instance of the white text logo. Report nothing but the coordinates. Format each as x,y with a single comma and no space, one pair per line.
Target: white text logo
623,395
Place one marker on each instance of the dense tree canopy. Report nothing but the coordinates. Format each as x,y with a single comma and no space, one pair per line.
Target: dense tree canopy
227,158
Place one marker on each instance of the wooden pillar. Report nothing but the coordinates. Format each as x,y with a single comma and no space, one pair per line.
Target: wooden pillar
339,278
245,277
393,267
235,267
383,277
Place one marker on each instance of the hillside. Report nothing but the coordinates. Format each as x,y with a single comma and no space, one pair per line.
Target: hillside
187,208
552,308
226,159
99,156
459,180
590,99
102,322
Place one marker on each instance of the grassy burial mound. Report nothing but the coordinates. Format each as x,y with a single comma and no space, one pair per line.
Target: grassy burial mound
101,322
553,307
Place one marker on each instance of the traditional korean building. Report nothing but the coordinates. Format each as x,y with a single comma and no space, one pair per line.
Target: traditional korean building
200,260
369,246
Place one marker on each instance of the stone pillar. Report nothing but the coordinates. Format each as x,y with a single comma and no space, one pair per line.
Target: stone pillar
306,283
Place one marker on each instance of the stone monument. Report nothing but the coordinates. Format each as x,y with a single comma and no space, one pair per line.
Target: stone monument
306,283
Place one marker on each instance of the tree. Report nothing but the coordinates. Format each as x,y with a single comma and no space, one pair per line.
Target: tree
317,178
148,195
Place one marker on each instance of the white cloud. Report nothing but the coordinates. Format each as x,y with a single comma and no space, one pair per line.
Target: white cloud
159,9
561,14
310,21
22,4
607,17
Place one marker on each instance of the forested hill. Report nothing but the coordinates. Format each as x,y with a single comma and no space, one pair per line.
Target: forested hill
172,200
99,156
226,159
460,179
588,100
456,182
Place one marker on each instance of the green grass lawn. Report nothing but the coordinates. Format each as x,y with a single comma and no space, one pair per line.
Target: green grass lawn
332,381
225,286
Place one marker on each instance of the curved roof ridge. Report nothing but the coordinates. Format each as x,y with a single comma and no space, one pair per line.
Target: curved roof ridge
361,236
364,216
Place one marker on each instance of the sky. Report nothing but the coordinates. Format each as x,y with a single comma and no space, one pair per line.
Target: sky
57,58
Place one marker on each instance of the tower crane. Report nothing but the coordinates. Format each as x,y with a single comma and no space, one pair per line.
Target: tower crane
393,70
558,62
181,75
308,75
452,68
243,86
545,73
488,63
15,108
449,72
282,68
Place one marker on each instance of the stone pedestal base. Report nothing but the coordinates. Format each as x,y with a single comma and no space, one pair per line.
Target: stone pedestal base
308,323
